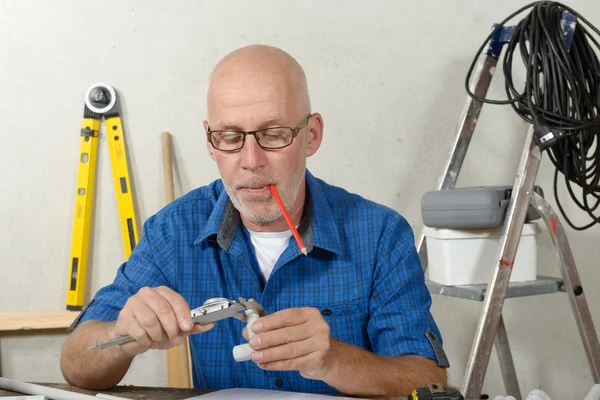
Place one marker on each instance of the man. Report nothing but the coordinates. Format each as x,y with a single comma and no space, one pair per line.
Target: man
350,317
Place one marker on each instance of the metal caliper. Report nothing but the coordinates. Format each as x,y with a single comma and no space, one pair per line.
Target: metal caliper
210,311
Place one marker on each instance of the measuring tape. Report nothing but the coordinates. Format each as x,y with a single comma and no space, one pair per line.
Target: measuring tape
100,101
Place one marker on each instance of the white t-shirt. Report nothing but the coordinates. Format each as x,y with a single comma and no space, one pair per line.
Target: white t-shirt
268,246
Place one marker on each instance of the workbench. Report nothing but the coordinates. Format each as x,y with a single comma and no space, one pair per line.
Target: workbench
130,392
146,392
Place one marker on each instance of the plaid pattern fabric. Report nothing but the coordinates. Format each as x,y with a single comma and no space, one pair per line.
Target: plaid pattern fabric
362,272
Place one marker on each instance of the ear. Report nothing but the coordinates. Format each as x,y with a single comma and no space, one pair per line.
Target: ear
211,150
315,134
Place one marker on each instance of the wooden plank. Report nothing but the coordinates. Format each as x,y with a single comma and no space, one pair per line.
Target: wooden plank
38,320
179,365
178,368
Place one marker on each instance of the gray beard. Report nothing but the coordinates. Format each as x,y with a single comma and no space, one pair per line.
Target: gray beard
262,210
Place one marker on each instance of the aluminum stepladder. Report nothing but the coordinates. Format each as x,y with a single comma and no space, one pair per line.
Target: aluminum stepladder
490,329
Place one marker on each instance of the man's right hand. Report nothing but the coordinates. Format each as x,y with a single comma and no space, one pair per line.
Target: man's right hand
157,318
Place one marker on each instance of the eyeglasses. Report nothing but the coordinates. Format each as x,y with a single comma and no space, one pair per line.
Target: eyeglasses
269,138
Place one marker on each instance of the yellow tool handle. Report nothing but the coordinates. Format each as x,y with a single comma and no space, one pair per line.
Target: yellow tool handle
84,196
122,182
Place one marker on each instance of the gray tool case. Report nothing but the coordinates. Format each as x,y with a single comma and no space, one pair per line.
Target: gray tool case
469,208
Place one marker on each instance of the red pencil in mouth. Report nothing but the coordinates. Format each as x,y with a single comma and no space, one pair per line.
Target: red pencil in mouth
299,241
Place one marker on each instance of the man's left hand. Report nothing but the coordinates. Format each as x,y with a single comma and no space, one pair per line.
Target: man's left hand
293,339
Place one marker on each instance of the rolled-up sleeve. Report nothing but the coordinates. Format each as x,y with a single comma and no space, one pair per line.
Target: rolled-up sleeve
400,319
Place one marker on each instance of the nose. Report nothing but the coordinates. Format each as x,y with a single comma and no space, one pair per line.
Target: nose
253,156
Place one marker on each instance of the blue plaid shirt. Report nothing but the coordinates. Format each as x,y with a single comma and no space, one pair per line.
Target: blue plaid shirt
362,272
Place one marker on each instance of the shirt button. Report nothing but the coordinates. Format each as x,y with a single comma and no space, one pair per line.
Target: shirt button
278,382
326,312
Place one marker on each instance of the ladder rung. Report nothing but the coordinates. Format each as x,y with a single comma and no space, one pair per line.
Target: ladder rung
543,285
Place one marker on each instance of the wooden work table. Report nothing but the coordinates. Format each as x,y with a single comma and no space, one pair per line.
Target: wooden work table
144,392
129,392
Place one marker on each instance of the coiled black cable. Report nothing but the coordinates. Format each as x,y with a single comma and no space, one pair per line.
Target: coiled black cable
561,92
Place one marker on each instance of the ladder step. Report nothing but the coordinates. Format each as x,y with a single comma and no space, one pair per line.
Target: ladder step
543,285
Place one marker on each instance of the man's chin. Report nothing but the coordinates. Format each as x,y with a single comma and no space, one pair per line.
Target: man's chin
260,219
259,211
260,216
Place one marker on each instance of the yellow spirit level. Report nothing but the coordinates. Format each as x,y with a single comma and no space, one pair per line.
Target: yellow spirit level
100,101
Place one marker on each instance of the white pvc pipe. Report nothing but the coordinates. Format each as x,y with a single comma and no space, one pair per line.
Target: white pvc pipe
110,397
51,393
243,352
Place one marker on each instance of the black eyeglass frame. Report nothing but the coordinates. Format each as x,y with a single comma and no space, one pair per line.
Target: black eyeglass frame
295,131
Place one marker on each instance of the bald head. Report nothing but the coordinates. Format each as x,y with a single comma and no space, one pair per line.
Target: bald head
258,73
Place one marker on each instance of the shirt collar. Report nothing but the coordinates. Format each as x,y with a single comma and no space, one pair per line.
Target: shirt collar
318,226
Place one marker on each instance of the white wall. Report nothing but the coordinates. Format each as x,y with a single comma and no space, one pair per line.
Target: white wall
388,78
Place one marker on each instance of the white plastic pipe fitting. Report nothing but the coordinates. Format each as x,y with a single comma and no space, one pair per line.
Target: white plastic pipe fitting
243,352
